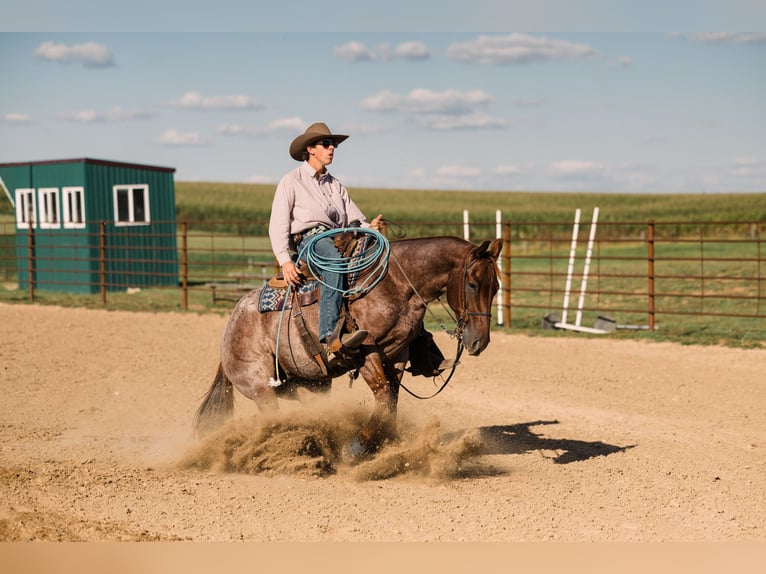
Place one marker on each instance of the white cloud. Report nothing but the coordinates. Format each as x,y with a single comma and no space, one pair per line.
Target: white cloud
118,114
422,100
386,101
462,121
722,37
580,174
411,51
292,125
90,54
507,170
176,138
417,173
233,130
260,179
115,114
354,52
447,110
195,100
749,168
82,116
576,168
358,52
15,118
458,171
516,49
624,61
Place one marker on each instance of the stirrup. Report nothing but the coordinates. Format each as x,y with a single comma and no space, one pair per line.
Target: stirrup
346,341
446,364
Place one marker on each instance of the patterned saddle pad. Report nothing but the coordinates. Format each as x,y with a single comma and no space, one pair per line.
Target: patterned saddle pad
273,298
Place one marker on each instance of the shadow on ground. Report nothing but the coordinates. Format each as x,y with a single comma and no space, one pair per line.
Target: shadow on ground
519,439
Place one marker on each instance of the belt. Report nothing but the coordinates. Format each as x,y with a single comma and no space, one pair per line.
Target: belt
306,233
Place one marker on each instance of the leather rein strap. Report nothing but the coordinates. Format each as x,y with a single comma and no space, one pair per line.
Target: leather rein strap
460,322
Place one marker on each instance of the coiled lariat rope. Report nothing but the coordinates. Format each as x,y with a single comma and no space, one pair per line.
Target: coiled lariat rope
374,257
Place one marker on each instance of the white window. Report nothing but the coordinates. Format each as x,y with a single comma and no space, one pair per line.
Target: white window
131,204
49,207
25,208
74,207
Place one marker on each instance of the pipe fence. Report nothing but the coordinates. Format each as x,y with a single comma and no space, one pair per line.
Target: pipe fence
637,272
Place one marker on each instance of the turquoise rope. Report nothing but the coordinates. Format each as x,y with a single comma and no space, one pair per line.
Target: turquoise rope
374,257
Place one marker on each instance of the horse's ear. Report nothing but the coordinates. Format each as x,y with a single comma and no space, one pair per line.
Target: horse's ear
496,248
480,249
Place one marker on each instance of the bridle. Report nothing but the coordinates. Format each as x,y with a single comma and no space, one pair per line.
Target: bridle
463,315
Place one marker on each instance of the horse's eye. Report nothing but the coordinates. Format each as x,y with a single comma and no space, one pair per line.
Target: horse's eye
472,286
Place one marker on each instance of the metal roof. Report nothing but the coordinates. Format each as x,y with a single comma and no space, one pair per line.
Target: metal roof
90,160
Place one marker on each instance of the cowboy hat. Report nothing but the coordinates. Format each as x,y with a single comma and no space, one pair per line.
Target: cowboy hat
313,134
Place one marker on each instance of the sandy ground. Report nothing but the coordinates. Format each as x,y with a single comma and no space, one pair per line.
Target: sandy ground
538,439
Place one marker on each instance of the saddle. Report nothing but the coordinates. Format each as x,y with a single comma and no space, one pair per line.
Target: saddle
273,295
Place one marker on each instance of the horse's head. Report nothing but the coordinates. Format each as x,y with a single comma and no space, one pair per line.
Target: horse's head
470,294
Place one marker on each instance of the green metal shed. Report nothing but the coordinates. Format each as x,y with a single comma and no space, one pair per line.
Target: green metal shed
84,222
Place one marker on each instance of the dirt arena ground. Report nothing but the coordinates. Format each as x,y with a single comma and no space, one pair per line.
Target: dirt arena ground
538,439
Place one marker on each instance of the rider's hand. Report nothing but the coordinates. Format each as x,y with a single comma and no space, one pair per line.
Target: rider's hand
377,223
291,274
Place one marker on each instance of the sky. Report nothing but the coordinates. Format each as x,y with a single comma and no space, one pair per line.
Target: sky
660,110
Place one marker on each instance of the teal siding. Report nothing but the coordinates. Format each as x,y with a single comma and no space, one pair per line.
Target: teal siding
142,255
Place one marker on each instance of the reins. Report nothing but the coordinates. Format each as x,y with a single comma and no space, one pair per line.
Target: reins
460,322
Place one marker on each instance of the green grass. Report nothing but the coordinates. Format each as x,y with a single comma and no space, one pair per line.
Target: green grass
541,229
199,201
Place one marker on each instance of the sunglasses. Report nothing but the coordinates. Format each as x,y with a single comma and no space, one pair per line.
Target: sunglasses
327,142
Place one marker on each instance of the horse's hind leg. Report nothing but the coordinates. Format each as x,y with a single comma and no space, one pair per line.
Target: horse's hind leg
246,355
255,380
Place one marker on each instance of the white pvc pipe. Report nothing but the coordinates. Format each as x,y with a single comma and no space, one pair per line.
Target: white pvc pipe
500,293
466,231
589,252
570,268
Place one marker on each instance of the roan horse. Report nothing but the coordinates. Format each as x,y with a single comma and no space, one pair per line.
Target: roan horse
392,312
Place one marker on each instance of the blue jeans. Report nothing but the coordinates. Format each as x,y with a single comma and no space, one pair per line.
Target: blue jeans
330,298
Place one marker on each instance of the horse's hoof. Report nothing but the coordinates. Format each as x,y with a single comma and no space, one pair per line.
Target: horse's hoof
355,452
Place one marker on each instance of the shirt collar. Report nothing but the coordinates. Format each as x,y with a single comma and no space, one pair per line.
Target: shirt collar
314,174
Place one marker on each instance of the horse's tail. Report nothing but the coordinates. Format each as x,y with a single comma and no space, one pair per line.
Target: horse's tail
217,406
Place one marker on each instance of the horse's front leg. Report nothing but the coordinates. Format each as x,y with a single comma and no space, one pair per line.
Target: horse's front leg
383,381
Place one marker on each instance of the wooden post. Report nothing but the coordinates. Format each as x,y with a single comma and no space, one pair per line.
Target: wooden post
31,265
184,268
650,259
102,259
506,278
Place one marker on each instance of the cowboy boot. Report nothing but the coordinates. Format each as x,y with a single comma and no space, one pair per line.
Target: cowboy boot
346,341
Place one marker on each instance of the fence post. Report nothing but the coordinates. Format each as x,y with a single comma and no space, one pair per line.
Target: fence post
466,226
506,274
500,265
31,266
102,259
650,259
184,268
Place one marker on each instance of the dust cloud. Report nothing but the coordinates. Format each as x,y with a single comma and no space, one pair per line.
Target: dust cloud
309,443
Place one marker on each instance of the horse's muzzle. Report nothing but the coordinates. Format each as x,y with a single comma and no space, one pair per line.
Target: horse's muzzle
475,346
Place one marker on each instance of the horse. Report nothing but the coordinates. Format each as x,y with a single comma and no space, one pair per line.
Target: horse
265,359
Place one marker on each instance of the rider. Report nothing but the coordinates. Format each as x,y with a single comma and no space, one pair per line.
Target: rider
308,201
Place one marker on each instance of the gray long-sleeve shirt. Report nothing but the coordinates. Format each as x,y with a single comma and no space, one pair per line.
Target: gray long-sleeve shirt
303,201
